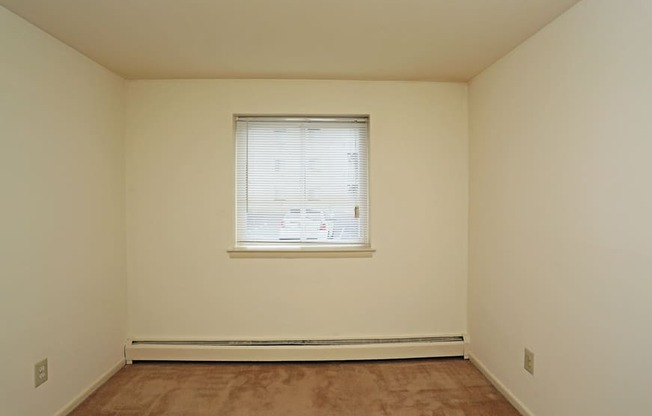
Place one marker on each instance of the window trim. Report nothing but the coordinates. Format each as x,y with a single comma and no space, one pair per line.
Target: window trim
296,250
309,252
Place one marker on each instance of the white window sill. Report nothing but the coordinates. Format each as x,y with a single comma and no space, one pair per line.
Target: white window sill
300,252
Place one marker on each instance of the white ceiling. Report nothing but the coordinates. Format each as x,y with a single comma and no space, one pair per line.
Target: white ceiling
438,40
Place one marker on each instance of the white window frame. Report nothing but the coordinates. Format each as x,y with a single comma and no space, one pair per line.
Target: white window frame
304,248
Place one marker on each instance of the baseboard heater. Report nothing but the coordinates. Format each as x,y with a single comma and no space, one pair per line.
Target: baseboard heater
296,350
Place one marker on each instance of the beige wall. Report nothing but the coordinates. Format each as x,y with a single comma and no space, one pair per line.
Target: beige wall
62,250
180,209
560,218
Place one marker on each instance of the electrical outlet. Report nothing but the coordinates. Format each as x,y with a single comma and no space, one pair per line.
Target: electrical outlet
40,372
528,361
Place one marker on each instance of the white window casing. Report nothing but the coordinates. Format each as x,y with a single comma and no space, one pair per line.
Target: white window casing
302,183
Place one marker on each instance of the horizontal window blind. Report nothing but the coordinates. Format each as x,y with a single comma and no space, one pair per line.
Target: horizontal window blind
301,180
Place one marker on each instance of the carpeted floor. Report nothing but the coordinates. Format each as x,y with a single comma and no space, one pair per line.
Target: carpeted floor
432,387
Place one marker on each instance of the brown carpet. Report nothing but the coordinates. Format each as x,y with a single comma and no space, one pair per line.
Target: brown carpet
432,387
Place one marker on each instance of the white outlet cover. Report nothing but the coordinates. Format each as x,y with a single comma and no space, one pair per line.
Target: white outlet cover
528,361
40,372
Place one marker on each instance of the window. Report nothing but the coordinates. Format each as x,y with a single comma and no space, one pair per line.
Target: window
301,182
